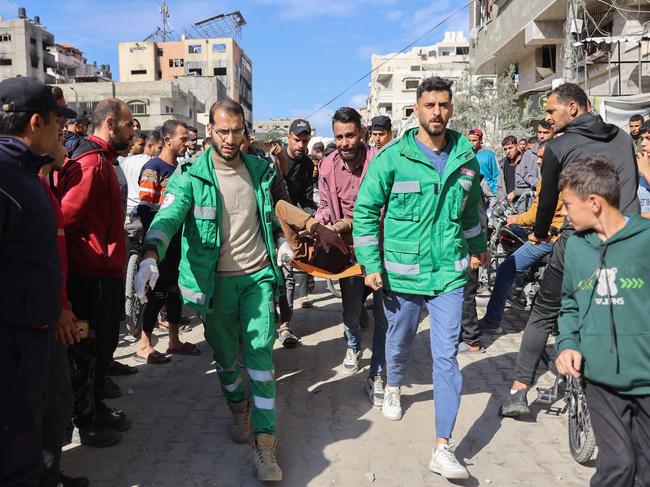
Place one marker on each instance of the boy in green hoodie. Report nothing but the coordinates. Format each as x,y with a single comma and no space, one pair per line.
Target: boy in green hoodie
604,324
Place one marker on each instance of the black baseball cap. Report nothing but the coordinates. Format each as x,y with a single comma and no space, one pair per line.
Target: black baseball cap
26,94
82,119
300,126
380,122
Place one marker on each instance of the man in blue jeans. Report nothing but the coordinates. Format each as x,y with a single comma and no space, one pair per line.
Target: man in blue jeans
340,176
428,185
523,258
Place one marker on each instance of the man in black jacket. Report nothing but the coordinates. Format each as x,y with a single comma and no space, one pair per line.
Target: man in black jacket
299,175
30,272
582,134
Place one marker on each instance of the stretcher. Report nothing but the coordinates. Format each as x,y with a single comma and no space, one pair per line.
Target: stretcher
352,271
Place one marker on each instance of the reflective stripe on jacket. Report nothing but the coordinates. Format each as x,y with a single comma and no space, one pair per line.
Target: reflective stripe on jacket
192,198
431,221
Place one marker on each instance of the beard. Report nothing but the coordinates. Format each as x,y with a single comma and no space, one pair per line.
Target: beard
223,156
350,156
120,145
433,132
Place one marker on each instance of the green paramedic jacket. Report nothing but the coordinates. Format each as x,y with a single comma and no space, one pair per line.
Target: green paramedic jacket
192,200
430,222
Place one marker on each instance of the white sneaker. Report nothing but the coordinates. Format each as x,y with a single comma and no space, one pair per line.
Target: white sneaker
351,361
375,391
392,407
445,463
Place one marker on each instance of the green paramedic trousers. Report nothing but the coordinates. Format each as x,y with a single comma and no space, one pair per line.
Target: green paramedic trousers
244,307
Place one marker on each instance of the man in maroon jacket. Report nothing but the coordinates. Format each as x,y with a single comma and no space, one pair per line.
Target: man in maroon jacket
94,228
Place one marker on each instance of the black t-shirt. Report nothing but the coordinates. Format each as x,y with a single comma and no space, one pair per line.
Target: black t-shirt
300,181
509,171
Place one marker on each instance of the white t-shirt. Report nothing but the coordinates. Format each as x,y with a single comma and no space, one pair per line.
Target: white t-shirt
132,167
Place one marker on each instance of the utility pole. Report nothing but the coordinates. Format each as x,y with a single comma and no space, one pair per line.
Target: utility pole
573,25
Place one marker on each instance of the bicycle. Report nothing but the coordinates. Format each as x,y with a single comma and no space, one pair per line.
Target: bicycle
582,442
133,307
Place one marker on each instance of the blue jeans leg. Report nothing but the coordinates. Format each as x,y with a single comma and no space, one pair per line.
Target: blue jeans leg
378,360
445,313
352,289
403,315
524,257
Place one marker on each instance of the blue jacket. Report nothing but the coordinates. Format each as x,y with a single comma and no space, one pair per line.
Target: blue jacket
30,272
487,161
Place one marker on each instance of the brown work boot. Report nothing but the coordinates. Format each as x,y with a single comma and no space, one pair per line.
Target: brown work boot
265,462
241,421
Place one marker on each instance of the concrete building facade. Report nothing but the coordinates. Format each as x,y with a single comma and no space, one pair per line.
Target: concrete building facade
612,44
152,102
70,64
219,58
275,125
24,45
396,77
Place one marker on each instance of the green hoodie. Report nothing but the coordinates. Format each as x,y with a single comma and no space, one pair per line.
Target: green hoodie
431,222
604,312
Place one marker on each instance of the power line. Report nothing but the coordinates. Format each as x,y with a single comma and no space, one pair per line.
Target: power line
340,94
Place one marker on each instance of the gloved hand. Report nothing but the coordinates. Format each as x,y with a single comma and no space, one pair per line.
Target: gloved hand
285,254
147,274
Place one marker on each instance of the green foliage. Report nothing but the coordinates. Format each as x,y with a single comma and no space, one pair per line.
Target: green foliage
490,105
274,134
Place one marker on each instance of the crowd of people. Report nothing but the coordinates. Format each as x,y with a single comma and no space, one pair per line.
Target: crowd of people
233,228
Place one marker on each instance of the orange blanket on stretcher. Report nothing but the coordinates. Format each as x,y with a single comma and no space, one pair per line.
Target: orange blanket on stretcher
353,270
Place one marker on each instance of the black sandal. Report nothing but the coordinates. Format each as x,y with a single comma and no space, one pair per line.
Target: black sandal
286,337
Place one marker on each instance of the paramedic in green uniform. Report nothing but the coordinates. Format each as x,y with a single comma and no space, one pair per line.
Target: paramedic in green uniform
228,270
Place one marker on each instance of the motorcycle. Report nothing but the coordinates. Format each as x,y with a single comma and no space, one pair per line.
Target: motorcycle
503,241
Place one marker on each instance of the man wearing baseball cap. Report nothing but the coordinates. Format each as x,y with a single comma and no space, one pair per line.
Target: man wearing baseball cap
487,160
30,272
381,131
299,176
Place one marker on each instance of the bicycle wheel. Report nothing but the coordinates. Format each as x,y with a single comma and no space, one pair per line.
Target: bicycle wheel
582,441
133,307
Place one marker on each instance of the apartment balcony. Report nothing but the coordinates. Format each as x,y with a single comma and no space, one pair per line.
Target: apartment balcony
48,59
516,29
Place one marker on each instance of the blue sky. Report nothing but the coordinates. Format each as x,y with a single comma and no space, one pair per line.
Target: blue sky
304,51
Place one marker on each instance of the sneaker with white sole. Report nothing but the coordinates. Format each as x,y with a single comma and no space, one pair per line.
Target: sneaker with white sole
392,406
375,391
445,463
351,361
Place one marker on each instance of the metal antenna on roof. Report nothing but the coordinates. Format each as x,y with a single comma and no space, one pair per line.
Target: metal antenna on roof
164,32
164,12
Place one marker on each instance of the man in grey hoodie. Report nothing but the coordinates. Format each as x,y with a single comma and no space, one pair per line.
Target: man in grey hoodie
582,133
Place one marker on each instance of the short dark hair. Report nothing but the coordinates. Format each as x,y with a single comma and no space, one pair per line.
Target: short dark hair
545,124
139,135
645,128
228,106
154,137
206,141
435,83
170,126
57,92
524,139
509,139
347,115
108,107
318,146
637,117
533,140
569,92
192,129
15,123
592,175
